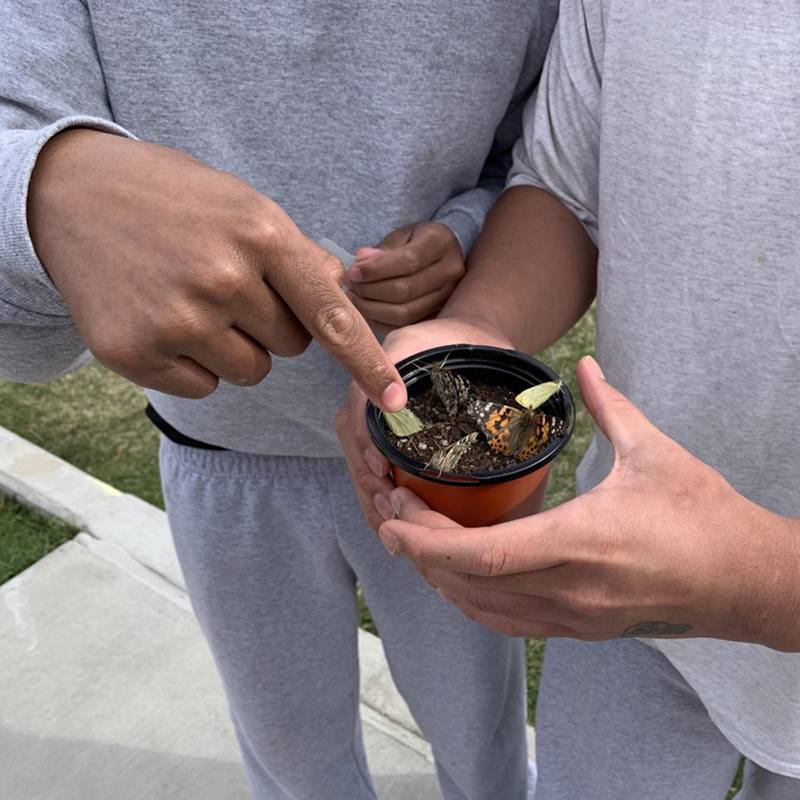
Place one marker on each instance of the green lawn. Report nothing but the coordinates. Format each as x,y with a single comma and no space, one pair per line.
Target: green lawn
94,419
25,537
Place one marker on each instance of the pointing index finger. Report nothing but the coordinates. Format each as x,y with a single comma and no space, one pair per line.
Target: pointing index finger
309,285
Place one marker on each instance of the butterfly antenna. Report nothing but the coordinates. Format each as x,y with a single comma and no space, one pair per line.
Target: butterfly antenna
416,363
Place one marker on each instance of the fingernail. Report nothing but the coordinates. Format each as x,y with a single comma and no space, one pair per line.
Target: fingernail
396,498
389,540
596,366
374,461
394,397
355,274
383,505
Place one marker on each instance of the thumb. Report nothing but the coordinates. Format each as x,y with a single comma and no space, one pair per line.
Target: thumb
410,508
397,238
431,241
414,251
618,418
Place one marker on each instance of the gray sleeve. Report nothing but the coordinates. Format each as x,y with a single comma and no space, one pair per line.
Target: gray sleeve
466,213
50,79
560,143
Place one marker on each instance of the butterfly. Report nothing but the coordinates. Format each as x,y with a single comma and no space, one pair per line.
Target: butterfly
451,388
448,458
517,432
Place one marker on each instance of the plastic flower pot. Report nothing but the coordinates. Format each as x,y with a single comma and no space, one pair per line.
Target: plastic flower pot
480,498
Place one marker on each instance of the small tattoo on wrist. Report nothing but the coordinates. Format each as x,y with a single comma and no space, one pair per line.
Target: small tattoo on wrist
655,629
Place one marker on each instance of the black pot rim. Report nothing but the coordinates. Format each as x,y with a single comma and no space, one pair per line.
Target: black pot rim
412,369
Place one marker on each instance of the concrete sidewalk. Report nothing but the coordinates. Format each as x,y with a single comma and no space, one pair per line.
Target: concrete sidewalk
108,691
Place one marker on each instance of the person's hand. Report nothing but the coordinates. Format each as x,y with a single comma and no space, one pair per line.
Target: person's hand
664,547
408,277
368,468
178,275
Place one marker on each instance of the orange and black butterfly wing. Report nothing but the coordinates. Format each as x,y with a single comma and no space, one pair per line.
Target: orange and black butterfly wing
497,422
540,430
517,433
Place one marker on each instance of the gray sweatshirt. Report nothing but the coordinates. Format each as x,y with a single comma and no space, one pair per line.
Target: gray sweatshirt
672,130
357,117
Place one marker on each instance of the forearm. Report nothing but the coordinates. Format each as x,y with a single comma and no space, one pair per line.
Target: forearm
532,273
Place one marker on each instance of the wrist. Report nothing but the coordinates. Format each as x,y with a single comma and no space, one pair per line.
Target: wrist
784,633
481,323
464,229
771,590
439,332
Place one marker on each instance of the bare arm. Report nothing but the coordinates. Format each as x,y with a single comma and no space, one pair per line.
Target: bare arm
532,274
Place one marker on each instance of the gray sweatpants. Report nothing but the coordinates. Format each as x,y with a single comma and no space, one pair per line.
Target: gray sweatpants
616,721
271,548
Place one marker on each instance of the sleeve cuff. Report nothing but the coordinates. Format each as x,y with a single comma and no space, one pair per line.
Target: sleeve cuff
24,282
464,227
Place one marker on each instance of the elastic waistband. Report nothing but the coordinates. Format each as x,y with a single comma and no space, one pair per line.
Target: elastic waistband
173,434
222,463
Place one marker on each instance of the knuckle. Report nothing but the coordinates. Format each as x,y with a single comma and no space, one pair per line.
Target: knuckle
403,315
362,477
333,267
257,372
336,324
415,551
110,350
296,344
480,601
492,559
198,391
402,290
590,605
196,388
413,260
189,327
456,269
380,369
224,283
261,221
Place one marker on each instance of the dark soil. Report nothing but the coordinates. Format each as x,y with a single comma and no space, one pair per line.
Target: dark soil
442,430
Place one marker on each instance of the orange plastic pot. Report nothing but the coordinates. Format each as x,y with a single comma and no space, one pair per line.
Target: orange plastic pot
480,498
